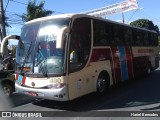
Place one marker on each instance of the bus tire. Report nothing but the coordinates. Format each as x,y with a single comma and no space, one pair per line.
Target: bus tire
102,83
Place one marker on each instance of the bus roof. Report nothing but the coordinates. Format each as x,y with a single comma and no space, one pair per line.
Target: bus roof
50,18
83,15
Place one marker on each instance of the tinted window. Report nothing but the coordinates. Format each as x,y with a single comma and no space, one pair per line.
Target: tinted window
137,38
102,33
80,44
145,37
127,36
118,35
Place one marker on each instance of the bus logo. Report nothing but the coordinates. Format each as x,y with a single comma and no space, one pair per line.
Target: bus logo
33,84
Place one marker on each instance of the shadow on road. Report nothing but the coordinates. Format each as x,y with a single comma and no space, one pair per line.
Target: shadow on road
20,99
137,92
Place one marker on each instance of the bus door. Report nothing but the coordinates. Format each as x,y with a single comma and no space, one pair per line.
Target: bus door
79,78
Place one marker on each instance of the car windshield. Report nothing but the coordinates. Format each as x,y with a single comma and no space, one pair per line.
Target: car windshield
43,47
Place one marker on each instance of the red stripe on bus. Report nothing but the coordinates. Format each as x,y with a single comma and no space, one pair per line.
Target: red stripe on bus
23,80
116,62
16,77
100,54
129,62
103,54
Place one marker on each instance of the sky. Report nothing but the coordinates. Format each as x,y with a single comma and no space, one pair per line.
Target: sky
148,9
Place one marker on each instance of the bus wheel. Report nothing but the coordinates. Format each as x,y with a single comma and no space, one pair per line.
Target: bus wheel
102,84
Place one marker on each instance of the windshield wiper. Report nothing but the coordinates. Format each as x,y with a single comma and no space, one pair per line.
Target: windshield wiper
41,62
26,58
43,67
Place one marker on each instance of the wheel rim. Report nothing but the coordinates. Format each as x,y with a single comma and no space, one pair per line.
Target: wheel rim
6,91
101,85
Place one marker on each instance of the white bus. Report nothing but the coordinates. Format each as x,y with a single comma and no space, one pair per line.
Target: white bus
64,57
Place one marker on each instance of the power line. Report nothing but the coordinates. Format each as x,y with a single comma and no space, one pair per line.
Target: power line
18,2
134,14
6,5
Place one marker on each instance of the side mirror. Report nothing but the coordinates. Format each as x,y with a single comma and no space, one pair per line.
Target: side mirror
4,50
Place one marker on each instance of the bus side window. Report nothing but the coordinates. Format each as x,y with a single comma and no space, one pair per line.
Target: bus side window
102,33
138,38
80,44
156,39
108,32
146,40
151,39
74,48
118,34
127,36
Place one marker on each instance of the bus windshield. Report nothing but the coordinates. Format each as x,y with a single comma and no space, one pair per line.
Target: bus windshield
42,50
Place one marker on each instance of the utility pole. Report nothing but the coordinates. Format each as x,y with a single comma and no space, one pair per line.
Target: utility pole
2,20
3,28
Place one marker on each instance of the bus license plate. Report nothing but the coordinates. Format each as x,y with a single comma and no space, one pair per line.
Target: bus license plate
32,94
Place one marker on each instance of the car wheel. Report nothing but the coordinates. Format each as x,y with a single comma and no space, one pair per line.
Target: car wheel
8,90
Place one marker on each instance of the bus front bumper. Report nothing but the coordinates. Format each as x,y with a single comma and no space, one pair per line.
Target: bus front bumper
60,94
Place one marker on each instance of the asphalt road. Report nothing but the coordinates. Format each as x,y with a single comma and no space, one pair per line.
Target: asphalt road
141,94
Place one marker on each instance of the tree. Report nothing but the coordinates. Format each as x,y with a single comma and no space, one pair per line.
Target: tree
145,23
35,11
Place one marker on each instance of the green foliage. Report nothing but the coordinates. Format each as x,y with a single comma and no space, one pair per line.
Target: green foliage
35,11
145,23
